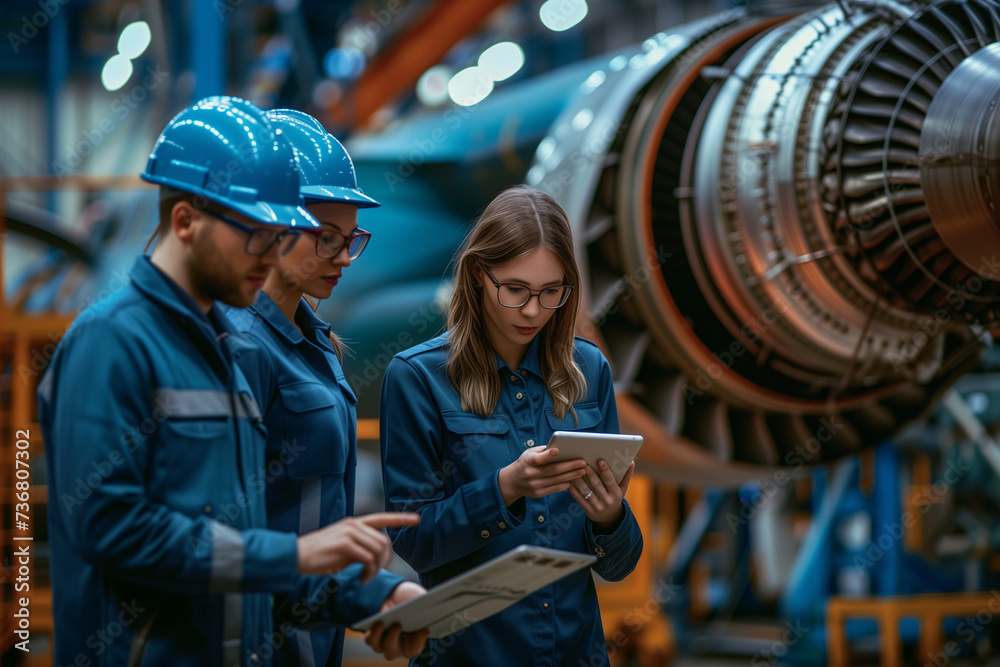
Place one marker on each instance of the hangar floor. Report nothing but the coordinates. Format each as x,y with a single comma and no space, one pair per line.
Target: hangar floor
357,654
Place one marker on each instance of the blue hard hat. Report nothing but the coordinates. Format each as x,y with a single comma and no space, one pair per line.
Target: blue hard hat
326,169
225,150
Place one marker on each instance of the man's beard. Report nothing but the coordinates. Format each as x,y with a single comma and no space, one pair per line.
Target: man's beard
213,277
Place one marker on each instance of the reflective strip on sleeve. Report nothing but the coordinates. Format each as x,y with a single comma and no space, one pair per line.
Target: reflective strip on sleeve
204,403
250,408
227,559
312,494
306,656
232,629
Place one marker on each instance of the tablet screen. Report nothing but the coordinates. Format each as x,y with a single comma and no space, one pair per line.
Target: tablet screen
618,450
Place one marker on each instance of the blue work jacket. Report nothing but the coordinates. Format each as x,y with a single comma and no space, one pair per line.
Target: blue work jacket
443,462
309,412
160,551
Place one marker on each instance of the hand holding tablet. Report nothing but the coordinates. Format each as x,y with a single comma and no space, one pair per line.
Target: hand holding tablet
618,450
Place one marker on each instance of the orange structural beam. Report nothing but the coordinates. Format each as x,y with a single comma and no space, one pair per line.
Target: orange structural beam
420,46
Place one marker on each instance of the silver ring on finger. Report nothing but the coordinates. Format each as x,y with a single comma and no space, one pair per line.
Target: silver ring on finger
587,497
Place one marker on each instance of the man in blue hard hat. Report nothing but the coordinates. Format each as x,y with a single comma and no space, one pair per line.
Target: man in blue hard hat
155,445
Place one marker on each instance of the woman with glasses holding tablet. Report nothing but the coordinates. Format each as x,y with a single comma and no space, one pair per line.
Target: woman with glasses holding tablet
464,418
292,361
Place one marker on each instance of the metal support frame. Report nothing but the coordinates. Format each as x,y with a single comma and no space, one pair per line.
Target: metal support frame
975,429
423,44
208,47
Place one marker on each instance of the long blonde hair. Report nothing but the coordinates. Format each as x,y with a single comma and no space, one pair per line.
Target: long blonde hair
516,223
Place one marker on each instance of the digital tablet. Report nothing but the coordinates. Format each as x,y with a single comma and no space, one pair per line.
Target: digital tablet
482,591
618,450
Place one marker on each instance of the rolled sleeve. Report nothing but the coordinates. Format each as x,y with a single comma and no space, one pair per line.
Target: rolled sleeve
617,552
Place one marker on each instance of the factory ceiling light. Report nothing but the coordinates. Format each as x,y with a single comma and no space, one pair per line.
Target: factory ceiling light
470,86
134,39
116,72
501,61
432,87
559,15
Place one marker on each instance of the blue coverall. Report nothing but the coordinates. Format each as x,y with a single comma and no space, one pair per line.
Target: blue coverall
160,551
443,462
309,412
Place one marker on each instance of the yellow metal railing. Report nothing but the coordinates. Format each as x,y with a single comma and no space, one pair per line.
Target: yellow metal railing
27,343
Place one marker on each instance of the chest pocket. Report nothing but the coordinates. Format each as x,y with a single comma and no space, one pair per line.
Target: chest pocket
200,423
197,414
588,416
316,430
198,428
475,445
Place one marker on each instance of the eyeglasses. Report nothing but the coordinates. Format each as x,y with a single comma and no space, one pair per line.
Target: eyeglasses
329,243
515,295
260,240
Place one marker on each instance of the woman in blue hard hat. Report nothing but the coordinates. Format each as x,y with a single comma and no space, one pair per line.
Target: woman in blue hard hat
470,409
293,362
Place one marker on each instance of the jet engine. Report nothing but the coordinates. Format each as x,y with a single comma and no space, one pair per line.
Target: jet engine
789,224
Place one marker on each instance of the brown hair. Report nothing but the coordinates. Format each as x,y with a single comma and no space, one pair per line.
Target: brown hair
170,197
516,223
